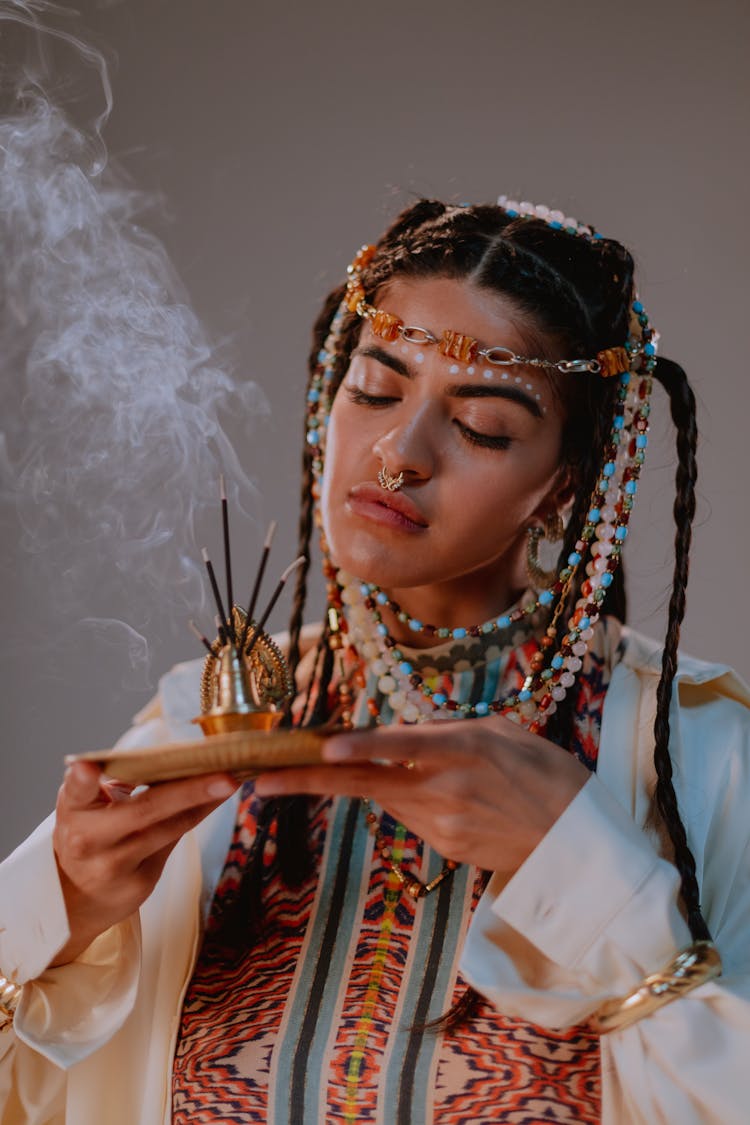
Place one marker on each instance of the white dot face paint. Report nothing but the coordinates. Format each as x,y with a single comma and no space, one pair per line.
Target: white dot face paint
487,373
469,370
519,379
419,357
454,369
504,375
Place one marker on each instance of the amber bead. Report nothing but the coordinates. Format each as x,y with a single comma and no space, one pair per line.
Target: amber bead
386,325
455,345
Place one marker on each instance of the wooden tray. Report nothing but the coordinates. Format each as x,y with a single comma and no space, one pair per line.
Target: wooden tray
242,753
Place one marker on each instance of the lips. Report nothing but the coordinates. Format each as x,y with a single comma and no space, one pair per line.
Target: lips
392,508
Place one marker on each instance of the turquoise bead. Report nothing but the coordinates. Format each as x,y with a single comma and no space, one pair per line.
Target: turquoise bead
482,708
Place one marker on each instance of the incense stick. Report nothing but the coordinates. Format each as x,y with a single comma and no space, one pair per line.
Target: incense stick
204,640
227,552
274,598
216,593
221,630
258,579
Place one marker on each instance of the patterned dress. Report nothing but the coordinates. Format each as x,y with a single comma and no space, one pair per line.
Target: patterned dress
325,1018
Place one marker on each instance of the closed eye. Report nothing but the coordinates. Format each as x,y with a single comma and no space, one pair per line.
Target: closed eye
363,399
487,441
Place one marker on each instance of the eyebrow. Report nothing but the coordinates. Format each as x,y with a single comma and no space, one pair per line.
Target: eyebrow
455,390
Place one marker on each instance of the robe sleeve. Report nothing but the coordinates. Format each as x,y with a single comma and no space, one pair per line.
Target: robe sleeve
594,909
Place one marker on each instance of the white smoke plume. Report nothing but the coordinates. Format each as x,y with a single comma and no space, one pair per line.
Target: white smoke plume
111,436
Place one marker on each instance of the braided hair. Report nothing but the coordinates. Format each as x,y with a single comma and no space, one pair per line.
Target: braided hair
577,293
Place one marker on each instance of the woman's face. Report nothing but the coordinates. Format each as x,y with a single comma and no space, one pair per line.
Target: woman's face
479,448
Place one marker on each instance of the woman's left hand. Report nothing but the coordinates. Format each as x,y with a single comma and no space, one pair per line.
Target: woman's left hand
483,792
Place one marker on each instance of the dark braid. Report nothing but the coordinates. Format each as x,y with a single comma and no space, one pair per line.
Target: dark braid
682,407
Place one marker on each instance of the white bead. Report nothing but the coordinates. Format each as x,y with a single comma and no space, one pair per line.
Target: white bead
397,700
605,531
541,211
567,679
551,709
587,634
527,708
379,667
370,651
558,693
573,664
513,716
556,217
600,565
410,713
386,684
526,208
579,649
569,222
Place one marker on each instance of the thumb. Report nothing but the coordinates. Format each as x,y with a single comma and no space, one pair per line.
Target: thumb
81,787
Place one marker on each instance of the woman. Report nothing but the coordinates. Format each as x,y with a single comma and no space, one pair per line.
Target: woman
470,944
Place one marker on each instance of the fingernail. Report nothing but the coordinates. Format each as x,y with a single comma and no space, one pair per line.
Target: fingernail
337,750
222,787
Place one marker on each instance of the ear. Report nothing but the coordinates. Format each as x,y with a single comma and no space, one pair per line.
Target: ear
558,499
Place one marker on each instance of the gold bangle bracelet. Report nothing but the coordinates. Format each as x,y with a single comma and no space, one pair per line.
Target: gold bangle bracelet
10,994
692,967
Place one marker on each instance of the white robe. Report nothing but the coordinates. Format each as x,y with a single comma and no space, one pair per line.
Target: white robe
592,911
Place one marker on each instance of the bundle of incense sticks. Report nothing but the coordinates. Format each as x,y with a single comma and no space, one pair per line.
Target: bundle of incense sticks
227,633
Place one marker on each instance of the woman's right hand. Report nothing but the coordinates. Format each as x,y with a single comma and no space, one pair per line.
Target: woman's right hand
111,847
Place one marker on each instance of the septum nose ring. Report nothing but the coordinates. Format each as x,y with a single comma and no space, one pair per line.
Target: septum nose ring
387,481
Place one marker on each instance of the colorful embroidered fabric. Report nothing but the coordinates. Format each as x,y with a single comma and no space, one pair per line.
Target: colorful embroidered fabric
322,1019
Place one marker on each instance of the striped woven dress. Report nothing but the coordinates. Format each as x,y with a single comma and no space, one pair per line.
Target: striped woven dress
322,1018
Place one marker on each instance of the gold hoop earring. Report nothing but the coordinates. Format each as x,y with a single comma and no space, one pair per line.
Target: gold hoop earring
387,481
540,578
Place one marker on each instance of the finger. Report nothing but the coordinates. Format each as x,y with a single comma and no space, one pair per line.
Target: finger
423,742
153,845
344,781
81,787
170,799
117,790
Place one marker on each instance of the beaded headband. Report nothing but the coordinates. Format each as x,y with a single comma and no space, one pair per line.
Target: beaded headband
598,547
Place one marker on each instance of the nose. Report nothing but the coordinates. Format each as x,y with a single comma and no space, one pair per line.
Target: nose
408,447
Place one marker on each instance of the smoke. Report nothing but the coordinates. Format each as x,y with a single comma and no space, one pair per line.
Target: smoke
111,434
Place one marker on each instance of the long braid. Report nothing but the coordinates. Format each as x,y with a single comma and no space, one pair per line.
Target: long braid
305,529
682,408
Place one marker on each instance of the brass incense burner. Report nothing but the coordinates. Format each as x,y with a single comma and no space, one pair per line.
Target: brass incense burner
243,687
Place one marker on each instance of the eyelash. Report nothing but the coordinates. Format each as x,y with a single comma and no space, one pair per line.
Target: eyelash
484,441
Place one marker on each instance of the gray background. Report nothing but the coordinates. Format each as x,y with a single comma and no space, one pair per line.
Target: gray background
282,136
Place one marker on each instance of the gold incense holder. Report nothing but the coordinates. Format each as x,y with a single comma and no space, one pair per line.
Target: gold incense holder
243,687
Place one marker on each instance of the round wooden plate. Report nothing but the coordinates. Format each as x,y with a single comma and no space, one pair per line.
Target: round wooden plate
242,753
